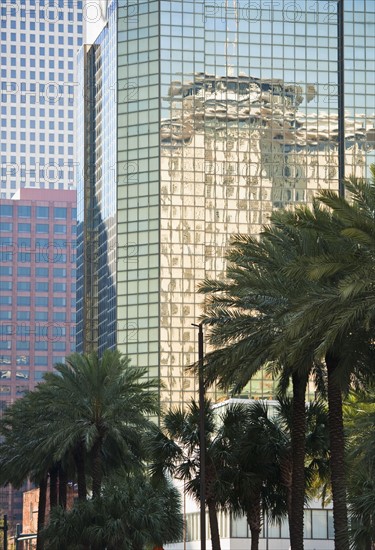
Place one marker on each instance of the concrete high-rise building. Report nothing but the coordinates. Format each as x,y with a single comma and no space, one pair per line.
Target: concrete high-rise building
39,44
37,295
199,119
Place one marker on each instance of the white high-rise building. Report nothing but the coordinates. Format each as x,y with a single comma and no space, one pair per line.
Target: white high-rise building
39,43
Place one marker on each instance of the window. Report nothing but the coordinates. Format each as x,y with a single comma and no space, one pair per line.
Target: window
41,286
59,287
23,271
5,315
23,315
41,346
5,300
6,210
59,316
41,271
60,229
24,242
42,212
23,285
59,302
41,228
24,257
41,301
23,300
22,345
41,316
5,344
58,346
59,213
6,226
6,285
59,272
41,360
5,270
24,211
24,227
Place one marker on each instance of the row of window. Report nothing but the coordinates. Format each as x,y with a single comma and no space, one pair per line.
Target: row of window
43,212
22,375
40,228
45,256
58,272
70,4
33,99
40,286
40,242
42,316
60,113
39,301
41,346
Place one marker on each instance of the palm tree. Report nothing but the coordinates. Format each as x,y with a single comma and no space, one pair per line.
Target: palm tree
337,321
175,449
22,454
248,314
109,416
258,441
359,415
251,443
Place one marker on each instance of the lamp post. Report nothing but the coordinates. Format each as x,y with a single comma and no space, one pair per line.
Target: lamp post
202,439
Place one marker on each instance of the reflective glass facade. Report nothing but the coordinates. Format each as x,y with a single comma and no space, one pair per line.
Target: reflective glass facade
225,111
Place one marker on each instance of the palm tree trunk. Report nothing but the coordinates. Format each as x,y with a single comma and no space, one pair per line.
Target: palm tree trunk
337,441
53,474
214,525
254,519
63,483
286,473
43,483
298,437
79,460
97,468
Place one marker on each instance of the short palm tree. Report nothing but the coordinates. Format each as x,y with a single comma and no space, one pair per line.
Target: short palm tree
130,514
112,403
175,449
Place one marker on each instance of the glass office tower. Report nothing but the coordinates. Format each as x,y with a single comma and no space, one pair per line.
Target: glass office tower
223,111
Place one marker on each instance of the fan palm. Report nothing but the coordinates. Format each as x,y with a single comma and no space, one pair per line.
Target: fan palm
175,449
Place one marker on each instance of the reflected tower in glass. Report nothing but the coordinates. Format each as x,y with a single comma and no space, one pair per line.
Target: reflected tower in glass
221,112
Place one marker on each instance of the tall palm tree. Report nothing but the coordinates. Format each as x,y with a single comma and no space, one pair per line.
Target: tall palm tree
337,321
247,315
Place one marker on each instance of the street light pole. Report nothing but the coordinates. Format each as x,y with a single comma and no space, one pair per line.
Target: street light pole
202,439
